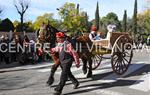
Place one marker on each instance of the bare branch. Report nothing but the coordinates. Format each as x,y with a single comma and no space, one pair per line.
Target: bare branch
1,10
21,6
18,9
26,8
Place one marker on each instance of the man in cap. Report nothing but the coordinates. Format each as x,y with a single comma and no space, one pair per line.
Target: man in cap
93,33
66,56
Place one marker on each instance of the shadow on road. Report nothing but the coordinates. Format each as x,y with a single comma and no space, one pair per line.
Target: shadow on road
104,85
118,82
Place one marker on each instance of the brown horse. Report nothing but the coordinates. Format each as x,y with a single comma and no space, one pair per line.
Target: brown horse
83,53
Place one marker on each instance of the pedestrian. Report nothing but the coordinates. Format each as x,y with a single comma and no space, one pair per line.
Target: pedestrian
7,54
148,40
4,49
66,56
1,48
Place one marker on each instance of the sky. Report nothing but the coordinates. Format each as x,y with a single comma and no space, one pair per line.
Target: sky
39,7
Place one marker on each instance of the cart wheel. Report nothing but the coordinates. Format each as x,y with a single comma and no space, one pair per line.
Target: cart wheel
96,61
122,54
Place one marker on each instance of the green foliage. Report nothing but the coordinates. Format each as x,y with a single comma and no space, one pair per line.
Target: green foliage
110,18
27,26
47,17
72,21
6,25
144,23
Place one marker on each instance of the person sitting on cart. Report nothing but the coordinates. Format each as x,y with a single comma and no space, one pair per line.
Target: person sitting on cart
66,56
110,28
94,36
93,33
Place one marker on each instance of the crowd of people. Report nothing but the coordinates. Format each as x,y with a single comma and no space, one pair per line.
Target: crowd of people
9,51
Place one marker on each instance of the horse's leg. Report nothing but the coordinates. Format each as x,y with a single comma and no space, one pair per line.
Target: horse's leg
90,68
84,68
53,69
52,72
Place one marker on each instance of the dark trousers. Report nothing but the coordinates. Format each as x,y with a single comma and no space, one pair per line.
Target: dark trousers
1,56
4,58
65,74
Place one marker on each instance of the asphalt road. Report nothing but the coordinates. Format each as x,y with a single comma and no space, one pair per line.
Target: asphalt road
32,81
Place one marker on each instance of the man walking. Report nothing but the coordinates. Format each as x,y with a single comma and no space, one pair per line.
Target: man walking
66,56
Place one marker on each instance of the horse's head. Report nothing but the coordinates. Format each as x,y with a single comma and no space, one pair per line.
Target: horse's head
51,35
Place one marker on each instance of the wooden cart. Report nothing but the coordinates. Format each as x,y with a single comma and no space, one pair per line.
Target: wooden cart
119,46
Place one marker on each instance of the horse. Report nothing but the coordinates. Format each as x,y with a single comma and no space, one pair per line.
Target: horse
85,54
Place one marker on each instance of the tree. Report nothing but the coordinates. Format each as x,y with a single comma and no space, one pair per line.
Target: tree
28,26
6,25
134,26
16,23
47,17
77,9
124,23
97,19
144,22
110,18
72,21
87,22
21,6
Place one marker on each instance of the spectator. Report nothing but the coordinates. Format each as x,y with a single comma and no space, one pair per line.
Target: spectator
148,40
4,48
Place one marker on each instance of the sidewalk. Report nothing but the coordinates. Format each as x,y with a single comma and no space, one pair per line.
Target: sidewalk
11,65
18,67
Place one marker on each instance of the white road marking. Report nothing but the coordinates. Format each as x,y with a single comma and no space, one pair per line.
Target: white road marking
104,64
143,84
44,70
73,69
110,78
33,67
99,71
102,91
113,77
107,92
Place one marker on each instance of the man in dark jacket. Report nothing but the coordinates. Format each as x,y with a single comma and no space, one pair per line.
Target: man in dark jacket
66,56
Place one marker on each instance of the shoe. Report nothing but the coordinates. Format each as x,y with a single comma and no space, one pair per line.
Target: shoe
76,85
56,93
89,75
50,81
